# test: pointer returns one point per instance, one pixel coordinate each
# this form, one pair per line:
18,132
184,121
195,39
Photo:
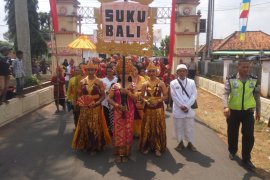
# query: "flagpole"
57,73
55,29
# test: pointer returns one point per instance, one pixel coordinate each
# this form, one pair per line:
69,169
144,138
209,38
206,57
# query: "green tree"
157,51
5,43
37,41
165,45
44,22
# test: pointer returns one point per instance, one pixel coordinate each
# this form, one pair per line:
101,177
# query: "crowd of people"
111,105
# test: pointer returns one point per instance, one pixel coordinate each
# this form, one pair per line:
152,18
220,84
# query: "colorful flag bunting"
243,29
244,14
244,18
245,7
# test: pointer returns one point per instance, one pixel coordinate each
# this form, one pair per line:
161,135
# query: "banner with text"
124,21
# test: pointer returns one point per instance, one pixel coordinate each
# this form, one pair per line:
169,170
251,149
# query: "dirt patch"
210,111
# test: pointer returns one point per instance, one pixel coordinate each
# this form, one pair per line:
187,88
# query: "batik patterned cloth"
153,132
123,124
91,131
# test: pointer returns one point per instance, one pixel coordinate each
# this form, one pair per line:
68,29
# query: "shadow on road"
100,163
197,157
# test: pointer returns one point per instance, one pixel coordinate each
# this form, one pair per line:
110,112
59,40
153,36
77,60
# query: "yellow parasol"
82,42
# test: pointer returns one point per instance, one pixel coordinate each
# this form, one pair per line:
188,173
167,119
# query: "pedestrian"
184,94
241,98
153,131
192,68
58,82
122,99
91,132
108,81
4,73
18,72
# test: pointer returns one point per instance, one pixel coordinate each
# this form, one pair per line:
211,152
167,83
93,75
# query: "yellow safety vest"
241,96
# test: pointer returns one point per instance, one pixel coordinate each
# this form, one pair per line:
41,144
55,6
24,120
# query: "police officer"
241,98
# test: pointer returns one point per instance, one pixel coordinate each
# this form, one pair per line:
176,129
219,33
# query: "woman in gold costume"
138,81
91,132
122,98
153,132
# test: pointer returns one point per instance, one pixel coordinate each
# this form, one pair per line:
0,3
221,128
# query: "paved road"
37,146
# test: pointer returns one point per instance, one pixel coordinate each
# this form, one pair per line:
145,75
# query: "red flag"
172,32
244,14
54,15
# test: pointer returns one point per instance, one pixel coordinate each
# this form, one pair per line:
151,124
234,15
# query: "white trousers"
184,129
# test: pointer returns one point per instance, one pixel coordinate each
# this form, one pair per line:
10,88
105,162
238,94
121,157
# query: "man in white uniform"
182,112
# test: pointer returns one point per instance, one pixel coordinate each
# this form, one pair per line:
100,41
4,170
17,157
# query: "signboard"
122,21
185,51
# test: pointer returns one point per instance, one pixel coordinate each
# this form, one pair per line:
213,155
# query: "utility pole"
23,33
210,26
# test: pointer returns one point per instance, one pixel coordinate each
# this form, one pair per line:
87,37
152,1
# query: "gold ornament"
135,48
128,66
144,2
151,66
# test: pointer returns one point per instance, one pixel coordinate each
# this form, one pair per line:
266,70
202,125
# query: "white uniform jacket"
180,98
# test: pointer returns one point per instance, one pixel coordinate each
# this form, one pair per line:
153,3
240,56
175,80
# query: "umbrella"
82,42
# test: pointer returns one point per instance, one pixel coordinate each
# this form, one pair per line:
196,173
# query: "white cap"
181,66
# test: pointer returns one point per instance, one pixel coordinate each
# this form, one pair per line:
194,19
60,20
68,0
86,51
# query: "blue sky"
226,16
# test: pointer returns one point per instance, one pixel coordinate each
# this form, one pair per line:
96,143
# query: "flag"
244,18
245,7
243,29
242,36
54,15
244,14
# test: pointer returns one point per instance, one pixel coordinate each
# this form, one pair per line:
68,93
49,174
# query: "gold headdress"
89,65
119,67
151,66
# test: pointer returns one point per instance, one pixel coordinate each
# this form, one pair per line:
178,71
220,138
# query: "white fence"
218,90
18,107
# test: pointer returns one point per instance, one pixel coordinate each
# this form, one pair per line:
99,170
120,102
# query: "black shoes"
232,156
191,147
180,146
248,164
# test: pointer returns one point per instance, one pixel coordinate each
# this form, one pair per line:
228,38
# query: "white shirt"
181,99
108,85
67,77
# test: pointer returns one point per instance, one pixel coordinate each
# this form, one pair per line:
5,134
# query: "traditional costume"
138,81
153,131
91,133
123,101
72,94
58,81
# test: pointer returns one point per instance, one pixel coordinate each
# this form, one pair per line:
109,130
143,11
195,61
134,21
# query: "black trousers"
247,119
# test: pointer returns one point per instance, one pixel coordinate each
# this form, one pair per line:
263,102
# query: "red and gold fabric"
91,131
123,125
153,130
